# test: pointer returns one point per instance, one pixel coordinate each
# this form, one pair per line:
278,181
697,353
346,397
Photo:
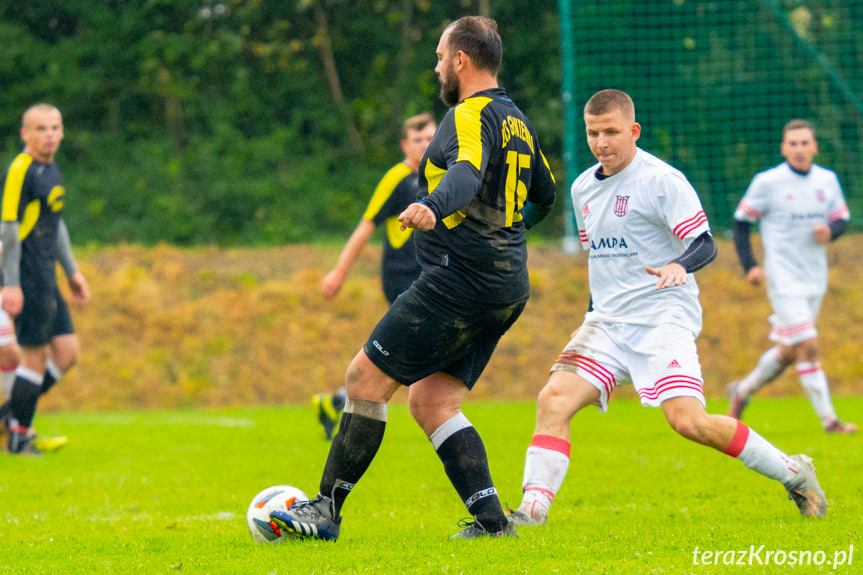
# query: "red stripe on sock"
741,434
17,428
546,492
552,443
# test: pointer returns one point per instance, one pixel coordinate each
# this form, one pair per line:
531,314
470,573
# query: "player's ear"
636,131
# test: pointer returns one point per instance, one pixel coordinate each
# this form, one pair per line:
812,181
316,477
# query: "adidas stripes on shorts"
793,318
661,362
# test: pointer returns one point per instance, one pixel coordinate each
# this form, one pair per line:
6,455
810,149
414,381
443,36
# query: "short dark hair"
606,101
416,123
477,37
798,124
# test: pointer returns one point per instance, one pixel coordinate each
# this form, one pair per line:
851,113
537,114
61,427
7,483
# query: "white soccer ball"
264,503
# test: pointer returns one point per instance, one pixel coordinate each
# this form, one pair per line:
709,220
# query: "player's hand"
332,284
417,216
822,234
13,300
79,288
669,275
756,276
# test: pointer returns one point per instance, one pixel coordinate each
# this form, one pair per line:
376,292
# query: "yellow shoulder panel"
385,188
13,187
468,127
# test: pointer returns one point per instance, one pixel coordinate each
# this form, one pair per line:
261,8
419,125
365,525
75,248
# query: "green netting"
714,82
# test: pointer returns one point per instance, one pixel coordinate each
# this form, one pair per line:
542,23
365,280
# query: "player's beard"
449,88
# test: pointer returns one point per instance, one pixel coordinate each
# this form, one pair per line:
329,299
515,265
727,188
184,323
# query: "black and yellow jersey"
483,164
395,192
33,195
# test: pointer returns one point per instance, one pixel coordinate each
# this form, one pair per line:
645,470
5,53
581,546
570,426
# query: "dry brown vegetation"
169,327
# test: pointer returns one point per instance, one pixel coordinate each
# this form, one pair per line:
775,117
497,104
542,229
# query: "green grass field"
167,491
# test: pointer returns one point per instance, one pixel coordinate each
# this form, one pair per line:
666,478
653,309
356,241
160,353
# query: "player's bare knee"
66,362
429,417
691,425
10,355
551,393
64,351
806,351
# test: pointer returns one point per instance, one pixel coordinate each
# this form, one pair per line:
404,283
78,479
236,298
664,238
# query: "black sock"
23,400
4,411
352,451
48,382
466,464
339,400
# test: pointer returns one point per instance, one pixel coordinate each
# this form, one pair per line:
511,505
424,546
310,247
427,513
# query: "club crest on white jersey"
620,205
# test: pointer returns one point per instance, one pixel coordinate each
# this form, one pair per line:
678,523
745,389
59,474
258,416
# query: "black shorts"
44,316
425,332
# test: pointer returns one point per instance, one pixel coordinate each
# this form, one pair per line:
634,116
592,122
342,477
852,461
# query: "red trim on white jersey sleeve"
749,211
684,228
840,213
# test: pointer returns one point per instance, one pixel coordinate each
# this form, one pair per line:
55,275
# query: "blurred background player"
35,239
801,209
399,266
640,218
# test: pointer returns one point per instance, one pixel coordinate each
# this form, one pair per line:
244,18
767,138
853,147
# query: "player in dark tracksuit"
483,181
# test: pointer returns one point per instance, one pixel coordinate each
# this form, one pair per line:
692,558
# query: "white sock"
768,368
760,455
814,381
7,378
545,465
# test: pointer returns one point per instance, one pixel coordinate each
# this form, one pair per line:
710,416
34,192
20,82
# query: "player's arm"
826,233
10,267
64,250
540,196
456,189
837,228
743,244
77,282
333,281
701,251
468,138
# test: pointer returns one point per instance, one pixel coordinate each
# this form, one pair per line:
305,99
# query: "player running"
640,220
801,209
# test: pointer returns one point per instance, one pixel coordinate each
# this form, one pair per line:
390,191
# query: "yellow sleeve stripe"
468,129
547,167
385,189
14,185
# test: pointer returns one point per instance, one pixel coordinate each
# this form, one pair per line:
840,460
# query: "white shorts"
661,362
7,330
793,319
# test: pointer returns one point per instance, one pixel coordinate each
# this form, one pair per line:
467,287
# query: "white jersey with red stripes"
645,215
789,205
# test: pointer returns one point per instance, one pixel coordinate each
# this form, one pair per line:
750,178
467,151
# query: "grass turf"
167,491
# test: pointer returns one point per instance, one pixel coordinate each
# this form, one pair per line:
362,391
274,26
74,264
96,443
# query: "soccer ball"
264,503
